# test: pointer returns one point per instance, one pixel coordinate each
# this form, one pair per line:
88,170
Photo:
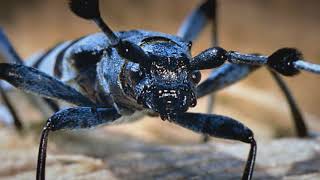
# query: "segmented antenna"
89,9
288,61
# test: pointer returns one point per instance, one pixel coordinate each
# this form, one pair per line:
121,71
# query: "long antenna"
89,9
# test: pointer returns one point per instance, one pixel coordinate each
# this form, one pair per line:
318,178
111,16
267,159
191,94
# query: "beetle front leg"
72,118
221,127
194,24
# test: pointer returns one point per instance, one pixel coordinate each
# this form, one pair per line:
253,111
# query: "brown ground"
246,26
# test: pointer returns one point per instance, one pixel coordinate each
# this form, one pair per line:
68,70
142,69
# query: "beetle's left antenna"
89,9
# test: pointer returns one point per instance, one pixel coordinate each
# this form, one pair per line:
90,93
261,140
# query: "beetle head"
167,85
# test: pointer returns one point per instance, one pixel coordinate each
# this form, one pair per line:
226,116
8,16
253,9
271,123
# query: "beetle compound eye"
196,77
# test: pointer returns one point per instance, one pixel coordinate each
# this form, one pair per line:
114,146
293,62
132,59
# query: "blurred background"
249,26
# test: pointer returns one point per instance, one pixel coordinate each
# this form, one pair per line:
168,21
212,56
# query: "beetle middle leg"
190,30
195,22
221,127
72,118
11,56
229,74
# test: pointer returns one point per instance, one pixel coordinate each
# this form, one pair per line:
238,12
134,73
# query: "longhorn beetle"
115,76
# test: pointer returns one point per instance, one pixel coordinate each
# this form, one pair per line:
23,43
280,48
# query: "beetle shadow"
172,162
129,158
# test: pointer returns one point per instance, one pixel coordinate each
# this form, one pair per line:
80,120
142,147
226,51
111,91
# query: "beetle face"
168,86
169,101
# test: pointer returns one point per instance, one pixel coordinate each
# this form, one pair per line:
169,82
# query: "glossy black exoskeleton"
116,77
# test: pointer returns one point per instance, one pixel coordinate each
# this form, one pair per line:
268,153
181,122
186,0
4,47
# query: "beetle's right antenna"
89,9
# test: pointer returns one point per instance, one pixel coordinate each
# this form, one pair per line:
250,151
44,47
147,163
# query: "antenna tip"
87,9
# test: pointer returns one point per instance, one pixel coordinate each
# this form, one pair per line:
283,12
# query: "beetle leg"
16,120
72,118
222,77
286,61
11,56
221,127
193,25
299,122
191,29
7,50
34,81
229,74
195,22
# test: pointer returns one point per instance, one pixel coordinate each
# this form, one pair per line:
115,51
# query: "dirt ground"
246,26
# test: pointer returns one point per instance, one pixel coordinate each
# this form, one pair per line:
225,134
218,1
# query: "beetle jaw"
167,102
